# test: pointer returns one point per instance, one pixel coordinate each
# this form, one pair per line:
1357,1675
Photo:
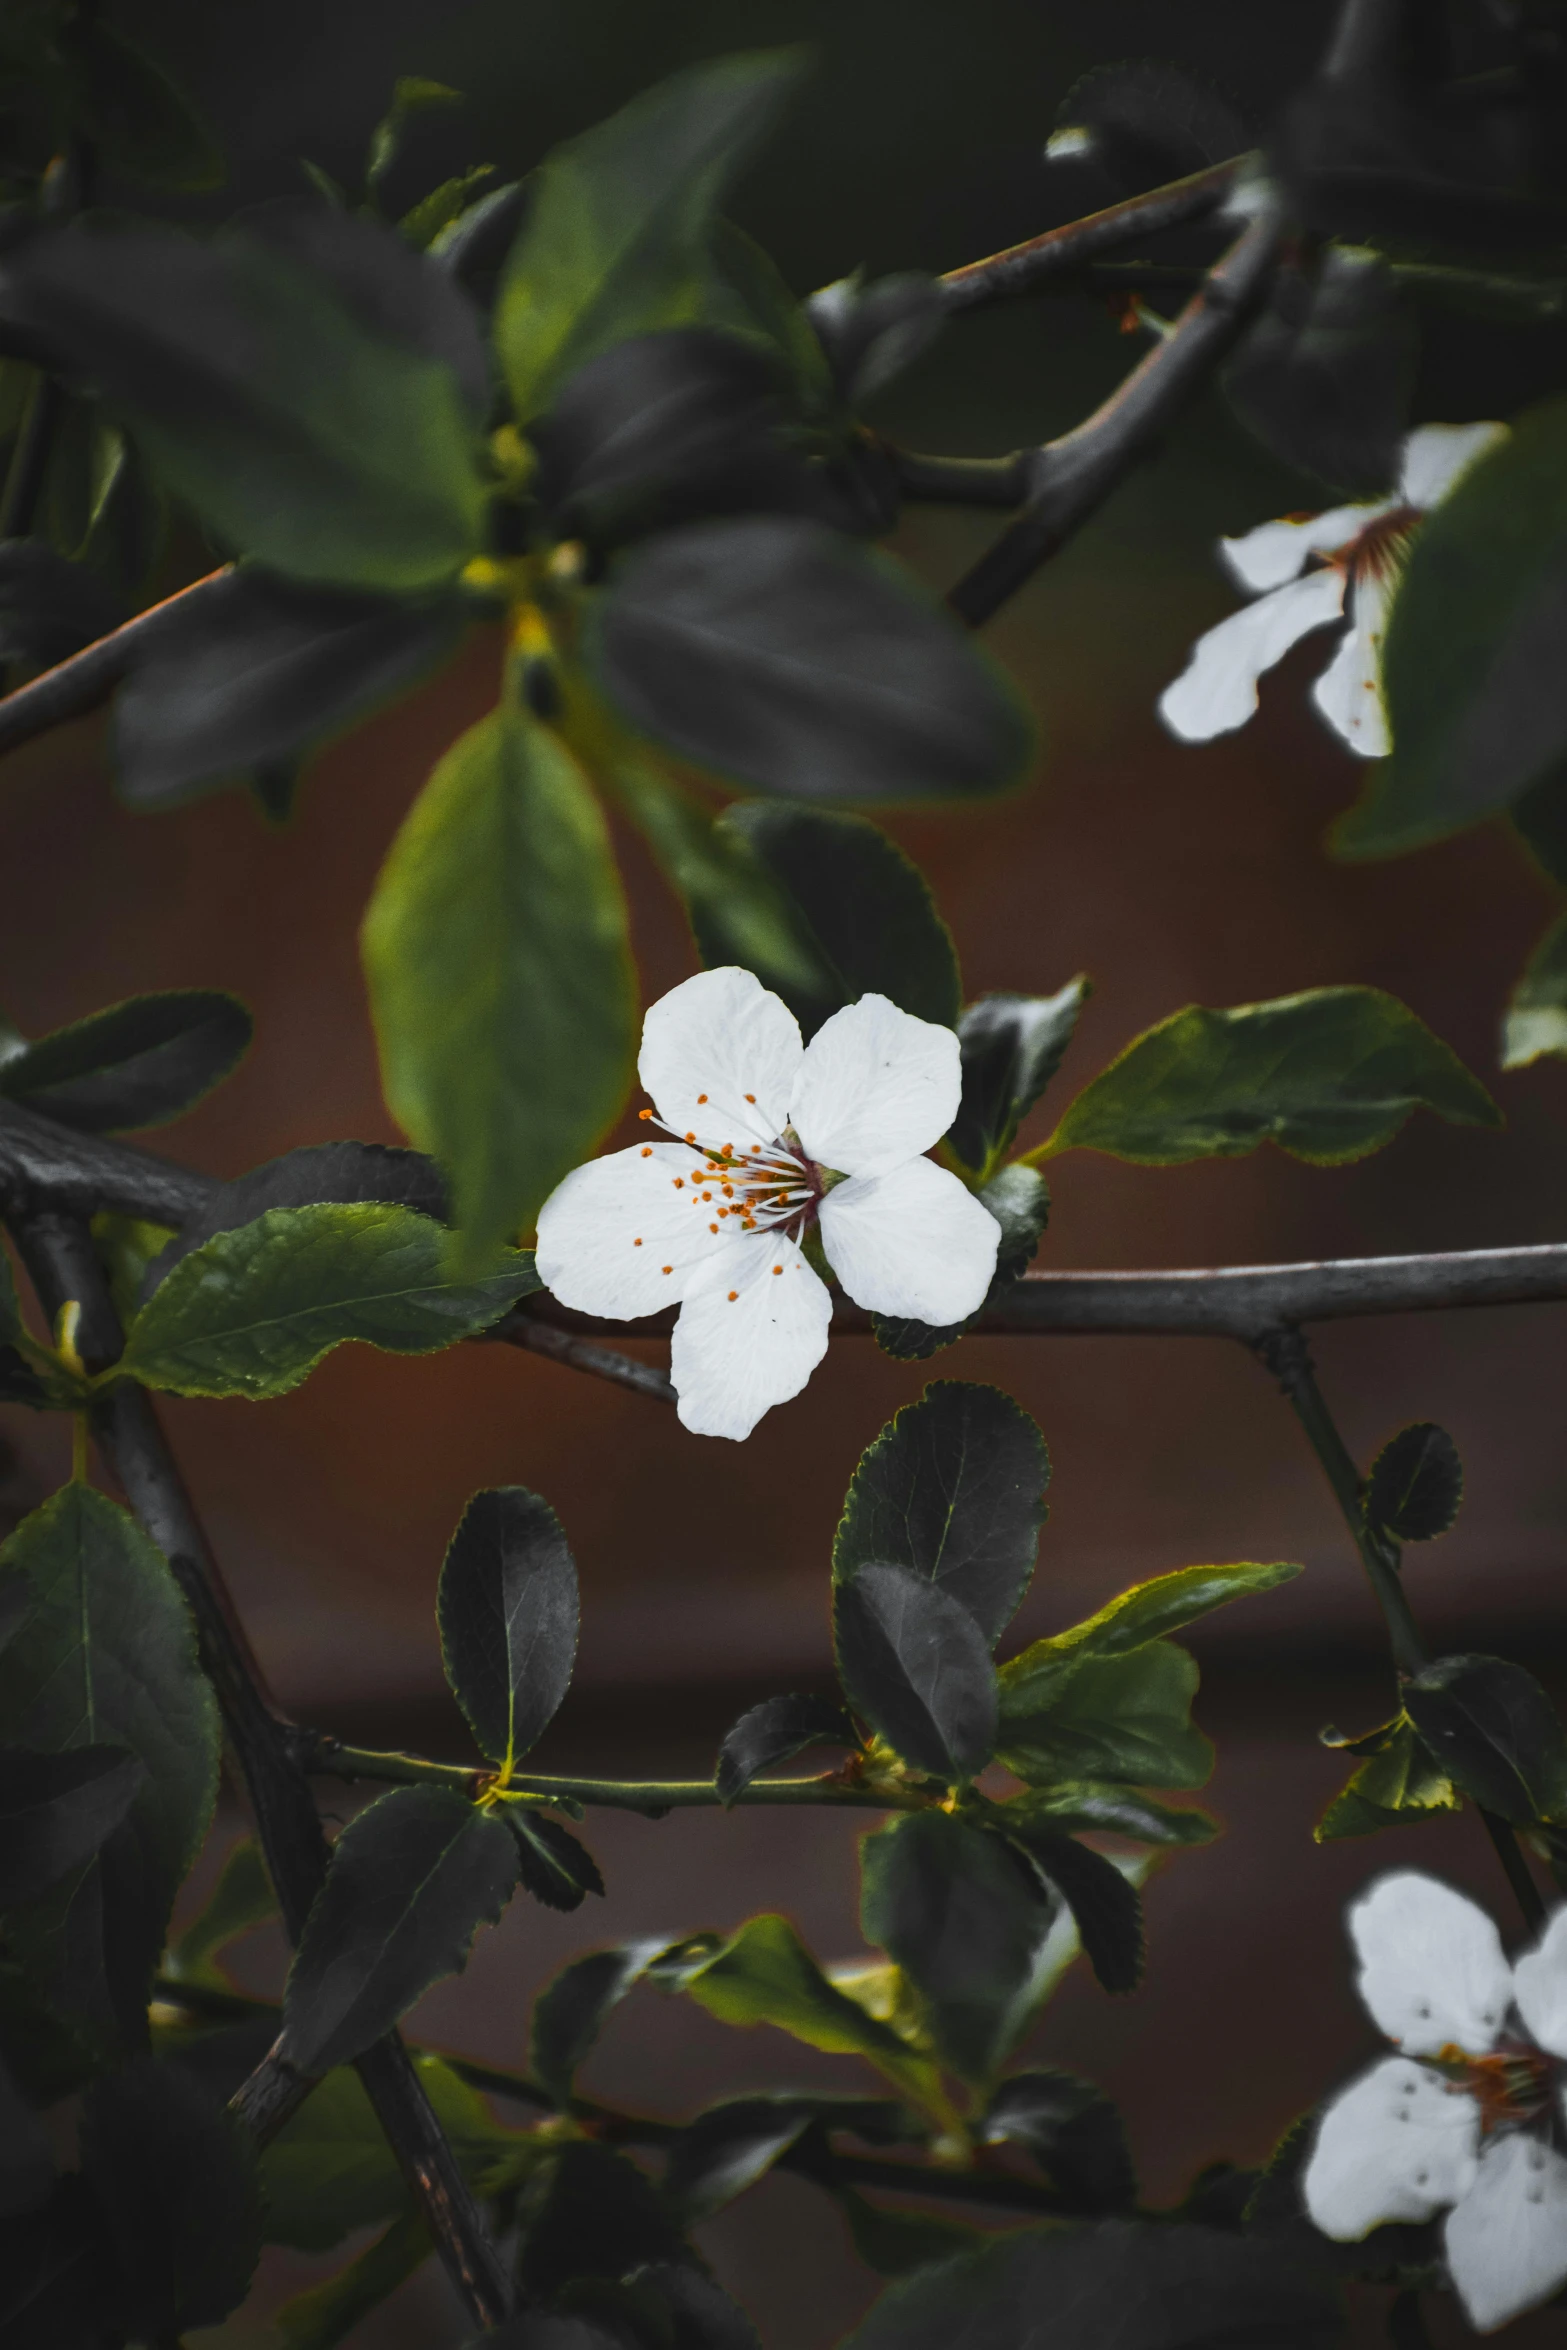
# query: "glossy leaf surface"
507,1609
571,2011
1113,1717
772,1733
136,1064
1012,1046
1495,1732
56,1810
1416,1484
916,1665
330,2169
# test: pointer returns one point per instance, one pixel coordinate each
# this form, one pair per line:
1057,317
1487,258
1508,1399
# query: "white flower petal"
914,1241
734,1356
1540,1987
1276,551
1396,2144
1431,1965
1507,2240
626,1234
876,1087
1437,457
1217,690
1349,691
719,1056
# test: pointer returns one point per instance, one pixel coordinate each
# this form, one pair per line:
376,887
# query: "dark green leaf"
1117,2284
252,1312
1150,1611
1100,1807
1073,2132
770,1733
55,1812
241,1899
701,2313
323,2314
748,295
1019,1199
1104,1902
330,446
500,973
315,1174
1145,121
1536,1019
1416,1484
138,120
411,1880
58,2289
966,1919
445,205
507,1609
779,655
953,1489
1110,1717
621,220
107,1655
1476,694
26,2163
50,607
764,1975
257,669
1540,821
896,2243
731,2146
1324,376
412,96
330,2169
916,1666
552,1865
547,2329
1012,1047
571,2011
590,2213
861,910
1495,1732
16,1592
176,2179
1328,1076
136,1064
1401,1783
872,333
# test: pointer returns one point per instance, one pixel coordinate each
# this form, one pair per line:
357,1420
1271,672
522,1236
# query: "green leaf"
411,1880
1495,1732
1149,1611
1019,1199
27,2168
571,2011
500,973
1476,692
862,909
730,2146
1072,2131
916,1666
552,1865
618,234
748,295
774,1731
423,222
953,1489
764,1975
777,653
1012,1046
872,333
241,1899
1101,1807
1416,1484
330,2169
1111,1717
897,2243
1102,1898
1536,1018
320,435
319,2317
135,116
507,1609
175,2178
590,2212
1329,1076
106,1654
1117,2284
1401,1783
56,1810
1323,377
412,96
251,1312
967,1920
136,1064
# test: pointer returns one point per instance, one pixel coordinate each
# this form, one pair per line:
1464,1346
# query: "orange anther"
690,1138
644,1113
750,1097
733,1294
778,1268
701,1097
647,1150
680,1183
712,1228
636,1244
669,1268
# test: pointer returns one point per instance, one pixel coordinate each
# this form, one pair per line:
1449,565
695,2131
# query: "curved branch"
83,683
1021,268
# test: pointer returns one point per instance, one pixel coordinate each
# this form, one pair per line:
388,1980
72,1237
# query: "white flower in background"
1312,569
776,1136
1469,2130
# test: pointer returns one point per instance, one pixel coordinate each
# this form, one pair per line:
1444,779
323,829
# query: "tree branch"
83,683
581,1354
1021,268
329,1757
1075,474
62,1263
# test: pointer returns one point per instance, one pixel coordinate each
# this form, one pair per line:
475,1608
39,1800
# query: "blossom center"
769,1187
1510,2088
1378,550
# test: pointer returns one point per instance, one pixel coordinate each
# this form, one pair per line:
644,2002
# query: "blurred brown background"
1170,874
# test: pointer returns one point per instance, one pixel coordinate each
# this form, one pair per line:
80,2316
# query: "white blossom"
773,1137
1467,2130
1308,571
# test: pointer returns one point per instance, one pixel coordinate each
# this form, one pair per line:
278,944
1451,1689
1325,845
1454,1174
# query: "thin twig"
1021,268
1073,476
83,683
582,1354
330,1757
63,1265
